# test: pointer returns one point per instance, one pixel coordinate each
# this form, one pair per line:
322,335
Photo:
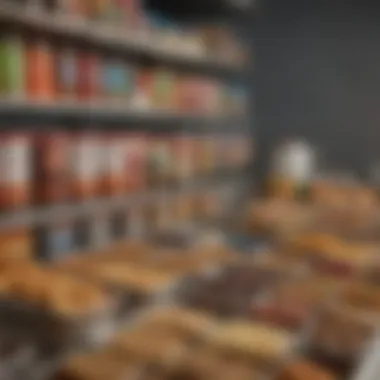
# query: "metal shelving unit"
138,47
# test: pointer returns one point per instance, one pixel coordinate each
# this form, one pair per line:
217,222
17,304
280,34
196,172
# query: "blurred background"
189,190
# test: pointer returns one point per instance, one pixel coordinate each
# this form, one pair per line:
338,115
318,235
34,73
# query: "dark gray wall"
317,74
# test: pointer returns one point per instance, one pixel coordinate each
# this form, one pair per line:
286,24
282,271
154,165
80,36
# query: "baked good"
315,243
184,322
362,297
98,366
52,291
302,370
128,275
292,303
256,340
341,333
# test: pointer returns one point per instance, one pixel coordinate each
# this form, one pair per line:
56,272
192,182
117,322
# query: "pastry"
256,340
181,321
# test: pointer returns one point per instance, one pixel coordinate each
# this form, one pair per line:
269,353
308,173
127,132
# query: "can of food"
12,69
40,71
16,170
102,155
59,240
117,161
84,165
67,74
52,168
136,161
87,83
159,160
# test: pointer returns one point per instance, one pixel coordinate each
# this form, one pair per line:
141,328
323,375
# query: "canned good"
52,168
15,167
67,74
39,71
12,70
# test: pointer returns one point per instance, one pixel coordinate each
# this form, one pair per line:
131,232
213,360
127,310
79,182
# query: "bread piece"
151,347
98,366
256,340
143,279
303,370
181,321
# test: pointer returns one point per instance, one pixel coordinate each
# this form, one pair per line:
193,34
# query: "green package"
12,69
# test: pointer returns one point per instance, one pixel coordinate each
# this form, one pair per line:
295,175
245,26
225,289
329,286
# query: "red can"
102,156
52,168
87,85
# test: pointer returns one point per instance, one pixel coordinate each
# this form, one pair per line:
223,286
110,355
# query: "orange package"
40,80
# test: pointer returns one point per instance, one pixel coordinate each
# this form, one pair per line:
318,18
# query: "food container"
100,231
160,161
40,79
183,157
135,162
16,170
67,74
59,240
12,68
52,168
143,89
87,84
102,155
84,165
114,81
76,9
163,93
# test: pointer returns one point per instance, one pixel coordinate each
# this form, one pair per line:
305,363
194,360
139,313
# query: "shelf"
26,114
141,44
45,214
